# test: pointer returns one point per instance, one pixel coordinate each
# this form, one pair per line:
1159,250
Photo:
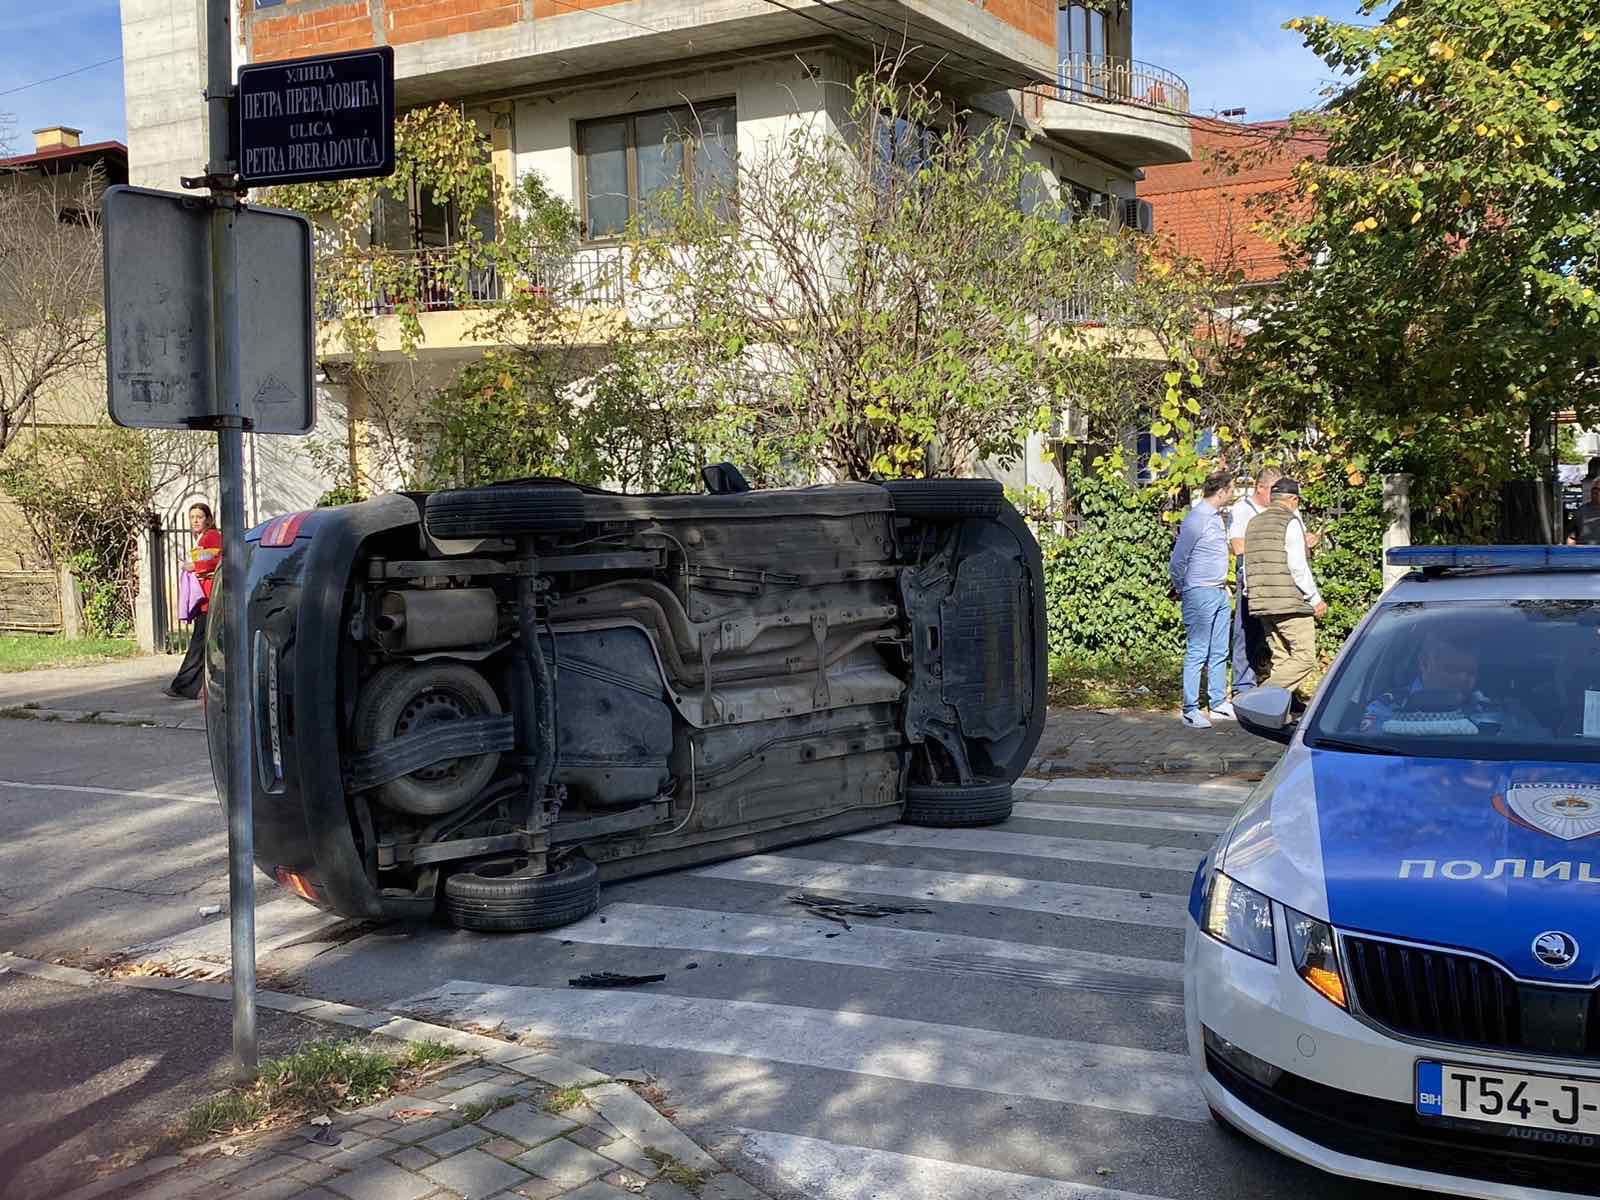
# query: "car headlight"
1316,957
1240,917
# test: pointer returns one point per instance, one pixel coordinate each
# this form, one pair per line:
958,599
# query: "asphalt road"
1022,1038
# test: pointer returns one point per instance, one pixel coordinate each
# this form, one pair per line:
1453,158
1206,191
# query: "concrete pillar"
71,605
144,609
1397,507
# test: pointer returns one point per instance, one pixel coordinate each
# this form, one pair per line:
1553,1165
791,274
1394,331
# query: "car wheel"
500,897
509,510
946,499
1227,1126
957,807
404,699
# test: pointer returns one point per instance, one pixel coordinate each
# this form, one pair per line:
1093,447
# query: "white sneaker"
1224,712
1196,720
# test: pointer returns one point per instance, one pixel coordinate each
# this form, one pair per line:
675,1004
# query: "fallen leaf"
410,1114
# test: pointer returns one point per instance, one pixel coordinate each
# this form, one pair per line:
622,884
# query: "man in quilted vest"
1283,594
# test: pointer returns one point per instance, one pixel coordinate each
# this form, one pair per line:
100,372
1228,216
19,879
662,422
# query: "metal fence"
1122,81
170,546
433,281
30,602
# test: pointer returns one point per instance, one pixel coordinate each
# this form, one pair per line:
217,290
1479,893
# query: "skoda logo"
1556,950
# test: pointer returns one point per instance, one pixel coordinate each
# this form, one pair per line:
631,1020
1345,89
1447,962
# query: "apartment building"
580,90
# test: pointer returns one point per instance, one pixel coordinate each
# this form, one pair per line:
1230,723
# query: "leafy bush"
1348,565
1106,585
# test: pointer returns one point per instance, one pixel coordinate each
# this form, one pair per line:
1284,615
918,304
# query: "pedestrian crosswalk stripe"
1034,845
1121,1078
1136,818
123,793
1158,789
801,939
954,887
827,1170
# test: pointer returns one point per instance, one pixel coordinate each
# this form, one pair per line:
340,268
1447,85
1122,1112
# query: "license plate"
1508,1097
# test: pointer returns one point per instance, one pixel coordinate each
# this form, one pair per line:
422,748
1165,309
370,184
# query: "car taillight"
282,531
297,883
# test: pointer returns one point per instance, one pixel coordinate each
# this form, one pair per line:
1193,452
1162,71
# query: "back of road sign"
159,345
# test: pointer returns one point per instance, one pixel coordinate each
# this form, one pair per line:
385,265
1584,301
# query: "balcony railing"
1094,77
433,281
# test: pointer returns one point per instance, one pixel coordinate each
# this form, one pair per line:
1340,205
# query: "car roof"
1494,585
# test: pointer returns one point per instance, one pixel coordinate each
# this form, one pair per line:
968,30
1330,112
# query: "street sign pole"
230,472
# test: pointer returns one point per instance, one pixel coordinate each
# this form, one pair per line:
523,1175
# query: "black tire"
946,499
1226,1126
957,807
507,510
496,897
405,698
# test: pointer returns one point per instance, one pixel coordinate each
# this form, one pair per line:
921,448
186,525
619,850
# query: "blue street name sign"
310,120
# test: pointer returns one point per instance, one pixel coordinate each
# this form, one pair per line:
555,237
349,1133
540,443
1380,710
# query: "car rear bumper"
1345,1102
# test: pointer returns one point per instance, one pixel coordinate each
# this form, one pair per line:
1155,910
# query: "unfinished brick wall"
1036,18
309,27
418,20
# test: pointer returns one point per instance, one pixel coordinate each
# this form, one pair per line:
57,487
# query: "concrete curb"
79,716
632,1116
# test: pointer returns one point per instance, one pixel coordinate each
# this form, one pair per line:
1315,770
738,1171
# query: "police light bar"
1504,558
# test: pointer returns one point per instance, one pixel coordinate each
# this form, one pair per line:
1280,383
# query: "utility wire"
64,75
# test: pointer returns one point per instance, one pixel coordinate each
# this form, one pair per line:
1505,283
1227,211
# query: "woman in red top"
203,562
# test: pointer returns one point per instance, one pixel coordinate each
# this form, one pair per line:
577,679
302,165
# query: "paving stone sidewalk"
506,1122
506,1131
1080,741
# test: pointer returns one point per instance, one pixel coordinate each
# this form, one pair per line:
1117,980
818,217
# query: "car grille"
1448,997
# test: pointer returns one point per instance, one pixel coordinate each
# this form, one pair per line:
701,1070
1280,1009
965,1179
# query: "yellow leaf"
1416,216
1311,188
1553,105
1482,130
1192,405
1402,22
1588,35
1418,80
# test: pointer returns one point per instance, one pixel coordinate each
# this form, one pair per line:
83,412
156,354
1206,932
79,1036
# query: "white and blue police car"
1393,952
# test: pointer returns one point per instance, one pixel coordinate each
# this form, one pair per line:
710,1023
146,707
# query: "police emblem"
1570,812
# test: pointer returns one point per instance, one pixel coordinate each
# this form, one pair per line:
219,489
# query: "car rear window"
1507,679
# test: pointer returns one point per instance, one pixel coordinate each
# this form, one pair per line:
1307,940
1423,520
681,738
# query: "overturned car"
487,700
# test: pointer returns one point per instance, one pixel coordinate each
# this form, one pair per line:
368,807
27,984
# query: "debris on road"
607,979
837,908
210,910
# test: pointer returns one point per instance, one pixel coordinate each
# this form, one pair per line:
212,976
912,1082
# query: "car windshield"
1504,679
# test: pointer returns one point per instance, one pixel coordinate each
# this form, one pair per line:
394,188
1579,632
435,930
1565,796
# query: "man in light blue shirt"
1199,571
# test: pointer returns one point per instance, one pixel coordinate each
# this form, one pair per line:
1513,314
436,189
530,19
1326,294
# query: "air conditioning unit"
1069,426
1140,215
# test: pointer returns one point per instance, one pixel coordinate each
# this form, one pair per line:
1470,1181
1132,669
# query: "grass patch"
316,1077
419,1056
1136,681
480,1109
32,652
674,1171
566,1098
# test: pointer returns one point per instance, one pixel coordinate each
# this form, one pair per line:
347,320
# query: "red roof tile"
1210,211
56,153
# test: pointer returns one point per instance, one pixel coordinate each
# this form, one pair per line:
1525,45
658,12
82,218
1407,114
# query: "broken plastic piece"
210,910
604,979
837,908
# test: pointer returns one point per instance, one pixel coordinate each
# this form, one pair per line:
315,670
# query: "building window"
627,163
1081,42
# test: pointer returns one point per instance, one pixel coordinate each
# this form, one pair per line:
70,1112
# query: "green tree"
1441,306
877,298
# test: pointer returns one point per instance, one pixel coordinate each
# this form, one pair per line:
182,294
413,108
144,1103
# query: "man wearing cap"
1199,572
1283,594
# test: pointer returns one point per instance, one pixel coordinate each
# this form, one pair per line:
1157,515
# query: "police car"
1393,953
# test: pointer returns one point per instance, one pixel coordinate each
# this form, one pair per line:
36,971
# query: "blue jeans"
1206,617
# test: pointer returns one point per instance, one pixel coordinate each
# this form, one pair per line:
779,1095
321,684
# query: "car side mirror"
1264,711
